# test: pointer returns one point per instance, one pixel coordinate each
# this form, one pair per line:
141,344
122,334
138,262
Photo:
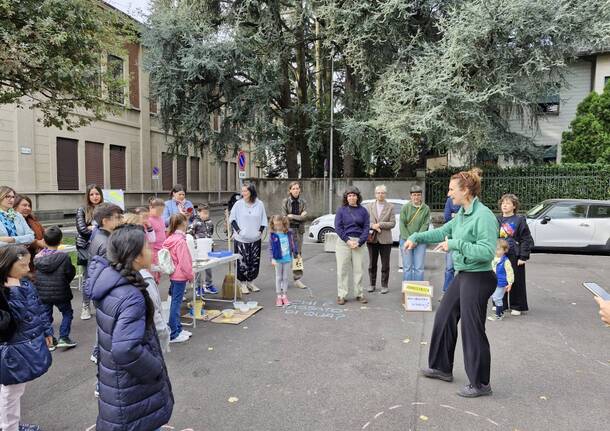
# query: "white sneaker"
244,288
93,359
85,313
181,338
493,308
253,287
188,333
515,313
494,317
299,284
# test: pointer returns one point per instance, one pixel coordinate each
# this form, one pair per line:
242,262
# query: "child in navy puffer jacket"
24,340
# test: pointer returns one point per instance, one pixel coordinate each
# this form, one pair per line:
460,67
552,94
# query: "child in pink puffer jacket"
183,273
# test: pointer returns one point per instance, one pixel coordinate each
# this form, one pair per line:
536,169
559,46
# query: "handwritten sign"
416,289
116,197
305,308
418,303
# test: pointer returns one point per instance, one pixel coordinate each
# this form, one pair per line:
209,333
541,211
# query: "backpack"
165,264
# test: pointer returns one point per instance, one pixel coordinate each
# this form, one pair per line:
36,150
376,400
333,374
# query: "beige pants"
10,406
349,261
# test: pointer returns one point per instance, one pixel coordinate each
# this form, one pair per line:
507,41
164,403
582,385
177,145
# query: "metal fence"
531,184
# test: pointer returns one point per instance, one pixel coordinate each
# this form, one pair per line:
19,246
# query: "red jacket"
181,257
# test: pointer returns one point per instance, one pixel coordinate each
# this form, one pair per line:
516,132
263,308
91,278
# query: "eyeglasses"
9,197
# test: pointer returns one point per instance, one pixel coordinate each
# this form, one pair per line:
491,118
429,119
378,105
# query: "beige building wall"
28,151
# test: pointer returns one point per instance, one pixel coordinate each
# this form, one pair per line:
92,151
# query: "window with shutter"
223,175
67,164
167,171
117,167
194,173
181,171
115,69
94,163
233,176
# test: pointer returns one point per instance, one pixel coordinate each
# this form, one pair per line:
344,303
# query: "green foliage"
588,140
50,54
532,184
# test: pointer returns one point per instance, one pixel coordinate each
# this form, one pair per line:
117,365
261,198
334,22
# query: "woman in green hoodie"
471,235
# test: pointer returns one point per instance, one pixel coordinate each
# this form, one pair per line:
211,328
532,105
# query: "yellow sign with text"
416,289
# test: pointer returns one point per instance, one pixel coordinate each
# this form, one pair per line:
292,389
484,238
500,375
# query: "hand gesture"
409,245
509,287
520,262
49,340
443,246
604,309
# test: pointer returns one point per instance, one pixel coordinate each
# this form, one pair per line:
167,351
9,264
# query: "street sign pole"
241,163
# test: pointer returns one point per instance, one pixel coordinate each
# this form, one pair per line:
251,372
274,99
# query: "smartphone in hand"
597,290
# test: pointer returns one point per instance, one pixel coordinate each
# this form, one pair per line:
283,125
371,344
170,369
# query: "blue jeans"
67,314
498,295
177,289
413,262
449,271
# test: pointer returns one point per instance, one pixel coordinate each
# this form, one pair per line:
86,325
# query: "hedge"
532,184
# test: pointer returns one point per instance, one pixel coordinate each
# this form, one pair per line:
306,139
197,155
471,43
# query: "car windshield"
538,209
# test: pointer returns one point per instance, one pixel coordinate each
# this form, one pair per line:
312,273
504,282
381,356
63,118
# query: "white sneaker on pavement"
181,338
299,284
253,287
515,313
188,333
85,313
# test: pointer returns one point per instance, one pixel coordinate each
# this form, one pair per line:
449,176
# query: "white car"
325,224
571,224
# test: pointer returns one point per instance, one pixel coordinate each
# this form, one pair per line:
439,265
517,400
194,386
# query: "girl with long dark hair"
134,387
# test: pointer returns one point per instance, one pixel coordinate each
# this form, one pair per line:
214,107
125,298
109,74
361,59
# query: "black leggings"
466,299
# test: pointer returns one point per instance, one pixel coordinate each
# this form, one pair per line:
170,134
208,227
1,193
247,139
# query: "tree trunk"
351,87
301,76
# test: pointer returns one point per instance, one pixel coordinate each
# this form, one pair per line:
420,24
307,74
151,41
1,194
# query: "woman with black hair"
352,224
84,228
177,204
134,388
23,205
248,219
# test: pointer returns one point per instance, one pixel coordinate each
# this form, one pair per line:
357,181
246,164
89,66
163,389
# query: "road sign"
242,174
241,161
155,170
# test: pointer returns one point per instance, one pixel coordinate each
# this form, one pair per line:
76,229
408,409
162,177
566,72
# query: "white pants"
10,406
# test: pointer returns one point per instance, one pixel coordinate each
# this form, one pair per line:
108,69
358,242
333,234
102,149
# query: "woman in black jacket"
84,226
514,229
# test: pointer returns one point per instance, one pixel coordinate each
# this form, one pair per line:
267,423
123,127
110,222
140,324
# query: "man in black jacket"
54,273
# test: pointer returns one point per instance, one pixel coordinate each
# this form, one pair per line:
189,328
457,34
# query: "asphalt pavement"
319,366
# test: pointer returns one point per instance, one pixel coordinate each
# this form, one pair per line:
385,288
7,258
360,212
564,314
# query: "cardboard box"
417,295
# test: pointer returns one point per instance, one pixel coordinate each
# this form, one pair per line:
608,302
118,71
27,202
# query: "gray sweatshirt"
163,331
249,219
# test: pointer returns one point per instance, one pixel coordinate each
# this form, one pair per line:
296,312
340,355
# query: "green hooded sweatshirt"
472,233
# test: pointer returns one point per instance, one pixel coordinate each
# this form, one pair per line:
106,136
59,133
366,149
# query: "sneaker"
243,286
181,338
85,313
188,333
299,284
210,289
28,427
371,289
515,313
285,299
431,373
96,391
470,391
199,292
384,290
278,301
53,345
340,300
66,343
440,298
493,308
495,317
93,359
362,300
253,287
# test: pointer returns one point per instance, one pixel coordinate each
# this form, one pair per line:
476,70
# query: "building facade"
54,166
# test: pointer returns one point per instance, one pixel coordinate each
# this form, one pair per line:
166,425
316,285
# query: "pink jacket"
158,226
181,257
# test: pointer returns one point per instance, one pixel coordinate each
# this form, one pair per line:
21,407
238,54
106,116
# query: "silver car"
571,224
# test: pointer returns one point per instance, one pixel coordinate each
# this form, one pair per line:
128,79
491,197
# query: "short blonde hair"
381,188
503,244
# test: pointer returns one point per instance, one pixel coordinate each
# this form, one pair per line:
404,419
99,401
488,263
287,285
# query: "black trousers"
248,266
376,250
518,293
466,299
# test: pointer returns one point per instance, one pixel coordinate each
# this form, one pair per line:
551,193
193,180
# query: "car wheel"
323,233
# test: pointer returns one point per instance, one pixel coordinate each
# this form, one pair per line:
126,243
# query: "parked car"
325,224
571,225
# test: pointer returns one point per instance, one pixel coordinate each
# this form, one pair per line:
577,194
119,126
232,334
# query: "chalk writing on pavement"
325,310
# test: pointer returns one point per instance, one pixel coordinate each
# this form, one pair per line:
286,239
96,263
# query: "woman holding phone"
177,204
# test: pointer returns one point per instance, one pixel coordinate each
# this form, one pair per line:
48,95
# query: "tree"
50,54
494,60
588,140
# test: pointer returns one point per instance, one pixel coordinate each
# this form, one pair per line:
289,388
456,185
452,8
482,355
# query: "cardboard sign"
416,289
418,303
116,197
